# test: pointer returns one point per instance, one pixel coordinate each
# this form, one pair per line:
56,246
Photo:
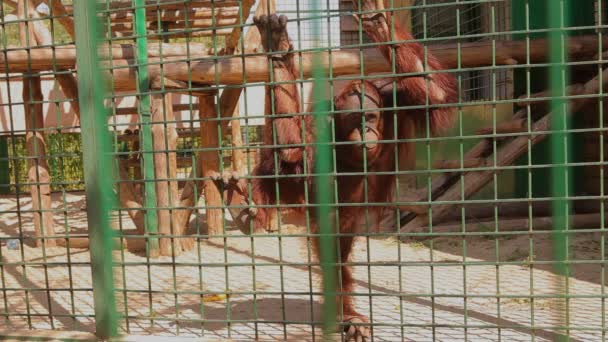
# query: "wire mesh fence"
380,170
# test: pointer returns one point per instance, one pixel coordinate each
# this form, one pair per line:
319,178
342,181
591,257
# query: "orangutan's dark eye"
371,117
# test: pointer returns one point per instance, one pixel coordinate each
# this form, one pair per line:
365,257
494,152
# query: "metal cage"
118,116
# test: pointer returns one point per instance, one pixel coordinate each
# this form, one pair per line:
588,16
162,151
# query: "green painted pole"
560,173
324,188
143,88
98,170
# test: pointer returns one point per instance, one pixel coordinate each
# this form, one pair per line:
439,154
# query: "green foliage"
9,31
64,156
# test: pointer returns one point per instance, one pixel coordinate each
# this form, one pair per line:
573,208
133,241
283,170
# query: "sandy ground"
411,291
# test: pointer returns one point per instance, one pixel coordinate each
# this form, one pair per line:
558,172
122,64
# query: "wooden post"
210,162
38,169
164,142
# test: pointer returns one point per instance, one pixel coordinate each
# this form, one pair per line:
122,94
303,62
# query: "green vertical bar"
5,178
559,143
143,87
98,168
323,170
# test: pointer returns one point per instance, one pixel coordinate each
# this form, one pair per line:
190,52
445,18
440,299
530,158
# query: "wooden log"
41,58
132,243
513,126
230,70
180,107
38,169
471,182
164,145
170,4
541,99
208,23
512,52
177,15
166,5
210,162
520,224
194,186
457,164
183,32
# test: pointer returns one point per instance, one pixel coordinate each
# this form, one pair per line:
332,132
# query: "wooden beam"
513,126
457,164
177,15
230,70
180,32
171,4
181,25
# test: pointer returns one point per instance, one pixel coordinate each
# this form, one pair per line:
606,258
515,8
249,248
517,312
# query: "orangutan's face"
362,123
